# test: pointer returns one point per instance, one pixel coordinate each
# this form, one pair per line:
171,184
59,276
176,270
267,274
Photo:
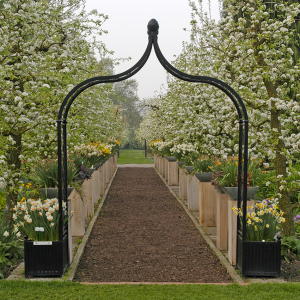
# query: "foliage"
31,213
124,94
83,173
8,253
11,247
267,185
297,225
79,160
290,248
2,203
190,158
255,172
131,140
165,150
46,173
203,165
264,222
227,173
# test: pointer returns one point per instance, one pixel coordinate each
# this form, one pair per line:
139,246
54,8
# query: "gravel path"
144,235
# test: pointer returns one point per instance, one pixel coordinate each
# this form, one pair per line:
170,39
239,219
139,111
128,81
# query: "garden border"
70,273
69,276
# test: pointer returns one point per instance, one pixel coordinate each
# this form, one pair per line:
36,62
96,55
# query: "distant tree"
125,95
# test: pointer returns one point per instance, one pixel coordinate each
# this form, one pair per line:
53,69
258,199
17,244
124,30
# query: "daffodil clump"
93,153
263,221
162,147
105,148
155,143
30,213
93,149
180,151
114,145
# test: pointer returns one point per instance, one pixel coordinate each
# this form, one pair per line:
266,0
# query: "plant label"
39,229
42,243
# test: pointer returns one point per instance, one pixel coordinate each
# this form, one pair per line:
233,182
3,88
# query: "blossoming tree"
250,48
46,48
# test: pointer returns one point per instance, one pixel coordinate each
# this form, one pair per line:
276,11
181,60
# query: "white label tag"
42,243
39,229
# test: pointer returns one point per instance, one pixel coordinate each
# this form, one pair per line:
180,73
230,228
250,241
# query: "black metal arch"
153,27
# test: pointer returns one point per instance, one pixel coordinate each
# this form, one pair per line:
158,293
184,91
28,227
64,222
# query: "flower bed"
30,214
264,224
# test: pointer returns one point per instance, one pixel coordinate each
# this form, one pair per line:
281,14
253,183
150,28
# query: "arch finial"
153,27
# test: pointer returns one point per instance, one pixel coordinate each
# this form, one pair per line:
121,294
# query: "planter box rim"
180,163
231,191
55,191
189,169
170,158
204,176
91,170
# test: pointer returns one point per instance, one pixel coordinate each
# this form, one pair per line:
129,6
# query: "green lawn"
66,290
133,157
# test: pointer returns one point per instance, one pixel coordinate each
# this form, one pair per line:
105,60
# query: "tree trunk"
279,146
14,165
280,169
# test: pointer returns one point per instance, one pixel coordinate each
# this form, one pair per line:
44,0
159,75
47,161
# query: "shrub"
290,248
11,248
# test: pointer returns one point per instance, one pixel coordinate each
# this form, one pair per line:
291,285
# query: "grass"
133,157
71,290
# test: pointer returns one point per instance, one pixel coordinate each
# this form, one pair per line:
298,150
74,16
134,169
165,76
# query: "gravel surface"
144,235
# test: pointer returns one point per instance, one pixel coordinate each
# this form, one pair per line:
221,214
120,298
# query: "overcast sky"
127,34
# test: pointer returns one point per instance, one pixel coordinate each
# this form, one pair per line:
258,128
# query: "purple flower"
277,236
297,219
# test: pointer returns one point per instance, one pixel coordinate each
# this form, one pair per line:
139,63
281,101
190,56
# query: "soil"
8,270
290,270
144,235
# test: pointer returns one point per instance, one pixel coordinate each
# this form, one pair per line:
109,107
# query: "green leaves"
11,248
290,248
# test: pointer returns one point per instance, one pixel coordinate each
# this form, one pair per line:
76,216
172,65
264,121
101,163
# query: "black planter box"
46,260
260,259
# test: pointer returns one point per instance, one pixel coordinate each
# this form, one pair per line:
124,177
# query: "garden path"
144,235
